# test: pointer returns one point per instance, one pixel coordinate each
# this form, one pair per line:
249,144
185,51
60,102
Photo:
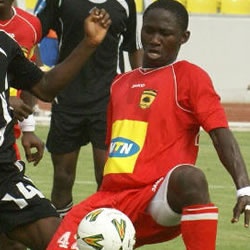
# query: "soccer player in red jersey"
154,118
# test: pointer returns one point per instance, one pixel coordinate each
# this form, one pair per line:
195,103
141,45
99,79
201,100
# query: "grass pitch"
229,237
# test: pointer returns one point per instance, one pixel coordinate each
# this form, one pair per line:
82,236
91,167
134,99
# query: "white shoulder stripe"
124,4
176,92
3,52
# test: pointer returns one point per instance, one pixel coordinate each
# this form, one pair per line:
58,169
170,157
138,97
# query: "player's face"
161,37
5,4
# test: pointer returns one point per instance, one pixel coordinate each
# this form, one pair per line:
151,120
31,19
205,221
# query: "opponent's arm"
95,29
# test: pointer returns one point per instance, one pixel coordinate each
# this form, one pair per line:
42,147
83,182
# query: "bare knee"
64,168
187,186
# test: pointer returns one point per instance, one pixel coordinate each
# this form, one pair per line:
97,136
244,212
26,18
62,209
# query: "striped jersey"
15,71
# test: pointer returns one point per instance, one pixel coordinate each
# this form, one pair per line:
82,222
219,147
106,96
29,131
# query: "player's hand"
20,109
96,26
30,142
242,206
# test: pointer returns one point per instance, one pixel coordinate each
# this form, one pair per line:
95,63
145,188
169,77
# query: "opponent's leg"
63,180
8,244
36,235
97,134
99,157
26,215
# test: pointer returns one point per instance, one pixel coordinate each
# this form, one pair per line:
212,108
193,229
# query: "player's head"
164,30
5,5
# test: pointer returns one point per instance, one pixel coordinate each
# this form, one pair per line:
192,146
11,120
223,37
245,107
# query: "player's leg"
99,157
188,195
187,186
64,141
63,180
7,244
36,235
26,215
183,200
97,133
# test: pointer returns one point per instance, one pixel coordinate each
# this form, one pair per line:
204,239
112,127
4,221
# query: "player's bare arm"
232,159
20,109
96,26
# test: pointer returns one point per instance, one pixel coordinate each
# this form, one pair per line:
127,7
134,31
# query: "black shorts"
20,201
68,132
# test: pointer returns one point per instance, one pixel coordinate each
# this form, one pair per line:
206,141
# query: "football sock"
199,227
63,211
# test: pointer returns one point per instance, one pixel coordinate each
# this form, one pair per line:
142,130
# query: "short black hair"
174,7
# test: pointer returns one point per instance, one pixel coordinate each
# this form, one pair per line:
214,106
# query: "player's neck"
6,13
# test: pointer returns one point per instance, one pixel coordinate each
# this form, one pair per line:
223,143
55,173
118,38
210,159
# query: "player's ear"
185,36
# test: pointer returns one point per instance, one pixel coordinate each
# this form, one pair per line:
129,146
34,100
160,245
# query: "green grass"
229,237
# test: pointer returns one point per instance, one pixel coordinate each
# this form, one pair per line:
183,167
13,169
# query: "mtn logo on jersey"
122,147
127,141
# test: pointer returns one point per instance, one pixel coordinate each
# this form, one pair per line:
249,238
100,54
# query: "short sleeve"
196,93
22,73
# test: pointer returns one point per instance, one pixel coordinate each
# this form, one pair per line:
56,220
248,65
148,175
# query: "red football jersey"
154,119
25,28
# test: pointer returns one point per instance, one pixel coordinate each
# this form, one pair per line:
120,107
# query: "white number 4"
63,241
28,192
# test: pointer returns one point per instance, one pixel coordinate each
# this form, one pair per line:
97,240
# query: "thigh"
37,234
8,244
159,207
20,200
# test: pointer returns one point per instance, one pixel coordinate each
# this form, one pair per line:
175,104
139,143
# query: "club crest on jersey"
122,147
147,98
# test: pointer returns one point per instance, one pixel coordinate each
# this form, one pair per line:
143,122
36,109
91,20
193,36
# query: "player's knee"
64,178
189,185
